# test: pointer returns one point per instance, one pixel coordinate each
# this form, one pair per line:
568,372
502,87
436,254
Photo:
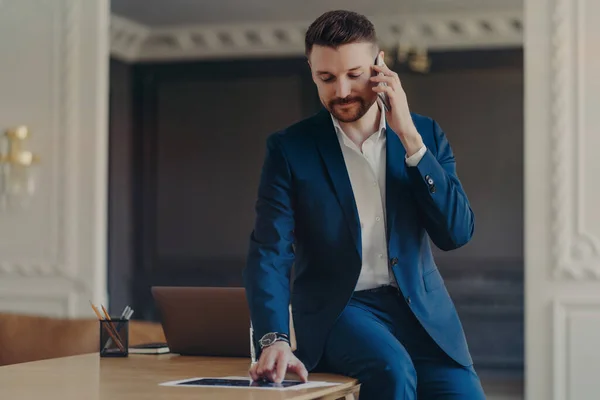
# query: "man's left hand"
398,117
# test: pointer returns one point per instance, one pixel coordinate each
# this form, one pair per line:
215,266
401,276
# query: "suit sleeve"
441,199
270,256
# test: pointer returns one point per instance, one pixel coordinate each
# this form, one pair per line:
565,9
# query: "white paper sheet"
241,382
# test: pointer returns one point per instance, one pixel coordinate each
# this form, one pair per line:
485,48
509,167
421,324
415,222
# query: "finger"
384,89
282,364
387,74
391,81
270,362
386,71
270,374
265,365
252,372
296,366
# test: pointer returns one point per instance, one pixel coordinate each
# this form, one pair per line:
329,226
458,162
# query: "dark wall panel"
211,143
120,201
481,112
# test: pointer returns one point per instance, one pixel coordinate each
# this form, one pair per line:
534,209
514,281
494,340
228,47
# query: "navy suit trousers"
379,341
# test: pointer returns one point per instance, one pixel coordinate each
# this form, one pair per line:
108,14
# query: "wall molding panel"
56,86
576,249
575,320
58,305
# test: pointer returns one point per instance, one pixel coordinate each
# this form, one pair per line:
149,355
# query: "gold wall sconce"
416,58
419,61
17,178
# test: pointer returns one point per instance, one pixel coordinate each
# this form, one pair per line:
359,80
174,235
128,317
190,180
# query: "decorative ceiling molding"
126,38
133,42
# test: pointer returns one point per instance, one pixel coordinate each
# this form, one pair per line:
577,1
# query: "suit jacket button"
408,300
394,261
432,189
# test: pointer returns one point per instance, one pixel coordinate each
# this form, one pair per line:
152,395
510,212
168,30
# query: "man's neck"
361,130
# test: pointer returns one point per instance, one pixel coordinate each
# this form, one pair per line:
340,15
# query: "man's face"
342,79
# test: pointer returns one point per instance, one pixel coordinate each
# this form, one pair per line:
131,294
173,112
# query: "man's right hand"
275,361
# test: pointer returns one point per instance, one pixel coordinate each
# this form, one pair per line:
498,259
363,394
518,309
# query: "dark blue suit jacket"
307,218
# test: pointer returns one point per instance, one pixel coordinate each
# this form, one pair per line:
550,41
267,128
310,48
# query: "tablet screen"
238,383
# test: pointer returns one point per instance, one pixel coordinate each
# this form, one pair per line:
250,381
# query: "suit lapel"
395,168
331,153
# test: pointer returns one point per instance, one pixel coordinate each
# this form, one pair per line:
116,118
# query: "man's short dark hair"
339,27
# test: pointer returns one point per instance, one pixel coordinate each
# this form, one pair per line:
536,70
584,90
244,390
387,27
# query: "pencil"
117,341
112,327
96,311
126,314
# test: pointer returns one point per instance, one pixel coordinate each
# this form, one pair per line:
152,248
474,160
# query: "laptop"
204,321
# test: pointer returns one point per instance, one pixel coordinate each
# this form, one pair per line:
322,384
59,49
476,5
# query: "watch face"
268,339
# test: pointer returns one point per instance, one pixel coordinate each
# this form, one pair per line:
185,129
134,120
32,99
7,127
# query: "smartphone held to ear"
383,96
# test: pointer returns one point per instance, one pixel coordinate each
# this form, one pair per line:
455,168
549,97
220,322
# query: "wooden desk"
138,376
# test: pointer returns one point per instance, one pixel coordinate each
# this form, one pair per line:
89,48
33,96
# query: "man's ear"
310,69
376,50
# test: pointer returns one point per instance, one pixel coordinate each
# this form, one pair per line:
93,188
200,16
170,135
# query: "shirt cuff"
413,160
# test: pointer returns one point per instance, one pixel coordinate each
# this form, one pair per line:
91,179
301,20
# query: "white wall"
54,80
562,194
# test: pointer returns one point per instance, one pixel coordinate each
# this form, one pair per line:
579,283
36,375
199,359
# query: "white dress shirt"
366,170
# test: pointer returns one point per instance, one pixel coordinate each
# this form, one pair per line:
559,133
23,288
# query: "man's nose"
342,88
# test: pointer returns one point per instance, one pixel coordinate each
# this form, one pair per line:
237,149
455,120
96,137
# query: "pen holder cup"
114,338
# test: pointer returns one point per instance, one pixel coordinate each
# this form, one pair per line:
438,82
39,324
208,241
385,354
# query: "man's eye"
329,79
355,76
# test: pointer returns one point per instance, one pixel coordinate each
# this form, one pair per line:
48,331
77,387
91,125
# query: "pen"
126,315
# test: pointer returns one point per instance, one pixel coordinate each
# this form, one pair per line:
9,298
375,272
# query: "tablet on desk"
233,382
239,382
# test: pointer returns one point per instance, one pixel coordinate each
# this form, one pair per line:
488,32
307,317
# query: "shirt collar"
382,123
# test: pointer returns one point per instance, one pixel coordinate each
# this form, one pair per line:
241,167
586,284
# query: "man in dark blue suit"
351,197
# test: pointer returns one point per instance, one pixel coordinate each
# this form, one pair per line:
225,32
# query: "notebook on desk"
149,348
204,321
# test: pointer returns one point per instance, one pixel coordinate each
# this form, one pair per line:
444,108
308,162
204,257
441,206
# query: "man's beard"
350,114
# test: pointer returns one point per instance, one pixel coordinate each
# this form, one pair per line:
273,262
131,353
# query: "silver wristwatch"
272,337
